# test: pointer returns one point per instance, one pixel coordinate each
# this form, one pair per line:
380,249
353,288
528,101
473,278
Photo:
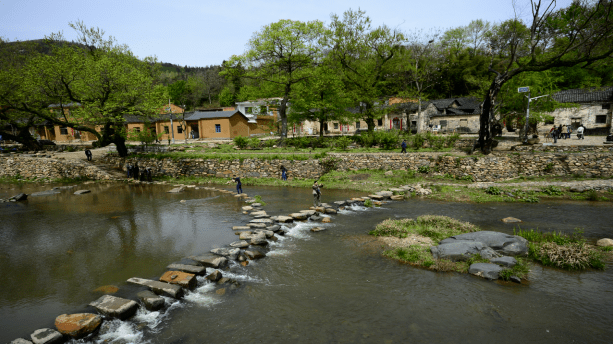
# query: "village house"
593,110
459,115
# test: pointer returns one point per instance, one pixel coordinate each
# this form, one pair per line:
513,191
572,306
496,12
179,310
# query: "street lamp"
522,90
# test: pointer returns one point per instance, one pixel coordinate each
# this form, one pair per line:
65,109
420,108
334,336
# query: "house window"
601,119
137,129
380,122
336,125
64,131
179,129
166,130
217,128
357,125
606,106
443,123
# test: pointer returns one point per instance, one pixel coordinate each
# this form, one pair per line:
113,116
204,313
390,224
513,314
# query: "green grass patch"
435,227
258,199
520,270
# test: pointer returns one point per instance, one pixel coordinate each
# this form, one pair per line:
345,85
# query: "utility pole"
527,89
172,132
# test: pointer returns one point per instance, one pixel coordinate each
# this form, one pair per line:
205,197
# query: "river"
332,286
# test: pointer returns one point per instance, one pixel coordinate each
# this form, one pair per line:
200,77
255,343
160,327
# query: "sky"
202,32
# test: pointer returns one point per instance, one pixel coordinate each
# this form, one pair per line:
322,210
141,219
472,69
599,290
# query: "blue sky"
202,33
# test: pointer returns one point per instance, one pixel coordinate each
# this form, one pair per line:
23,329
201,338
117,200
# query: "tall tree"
364,56
102,79
577,34
421,62
282,53
322,98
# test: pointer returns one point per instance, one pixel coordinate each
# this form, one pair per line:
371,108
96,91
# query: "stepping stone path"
115,307
160,288
46,336
198,270
185,280
151,301
77,325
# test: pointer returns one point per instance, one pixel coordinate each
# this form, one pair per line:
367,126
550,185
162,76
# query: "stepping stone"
230,253
284,219
397,197
258,240
326,220
340,203
273,228
245,235
397,190
151,301
198,270
240,228
258,213
376,197
299,216
511,220
209,260
308,212
185,280
115,307
82,191
317,229
262,221
256,225
316,218
247,208
254,254
176,190
256,204
170,290
21,341
77,325
385,194
330,211
46,336
215,276
320,209
239,244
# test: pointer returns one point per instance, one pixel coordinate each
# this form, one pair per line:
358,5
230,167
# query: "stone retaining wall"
494,167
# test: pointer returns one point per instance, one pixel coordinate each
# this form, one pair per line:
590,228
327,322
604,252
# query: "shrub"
435,227
343,142
329,164
241,142
548,167
552,190
592,195
424,169
493,190
417,141
387,140
368,203
253,142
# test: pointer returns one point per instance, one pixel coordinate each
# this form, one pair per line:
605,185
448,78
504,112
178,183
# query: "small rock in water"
326,220
604,242
511,220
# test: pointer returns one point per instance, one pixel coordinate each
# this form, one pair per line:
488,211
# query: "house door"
575,122
194,132
396,123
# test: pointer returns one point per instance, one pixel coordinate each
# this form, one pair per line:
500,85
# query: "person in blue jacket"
239,185
404,146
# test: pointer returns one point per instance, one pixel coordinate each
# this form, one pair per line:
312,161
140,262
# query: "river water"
326,287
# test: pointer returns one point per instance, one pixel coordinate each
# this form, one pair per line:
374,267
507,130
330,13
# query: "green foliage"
549,167
343,143
493,190
435,227
592,195
424,169
520,270
329,164
241,141
226,97
368,203
145,136
258,199
552,190
253,142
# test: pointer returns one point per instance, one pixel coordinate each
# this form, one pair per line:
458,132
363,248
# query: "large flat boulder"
462,251
115,307
160,288
198,270
46,336
184,280
77,325
505,261
504,244
258,239
210,260
489,271
151,301
230,253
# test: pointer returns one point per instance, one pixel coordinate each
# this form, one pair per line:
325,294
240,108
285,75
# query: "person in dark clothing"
149,175
317,193
88,154
239,185
129,169
135,171
404,146
283,173
560,132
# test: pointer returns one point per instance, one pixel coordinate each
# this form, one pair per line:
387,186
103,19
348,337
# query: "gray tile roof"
197,115
585,95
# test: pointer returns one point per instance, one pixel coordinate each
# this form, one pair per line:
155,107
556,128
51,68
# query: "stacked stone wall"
31,168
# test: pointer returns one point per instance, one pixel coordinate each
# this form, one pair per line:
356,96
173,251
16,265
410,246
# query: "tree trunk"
23,137
420,118
369,118
109,135
485,142
283,112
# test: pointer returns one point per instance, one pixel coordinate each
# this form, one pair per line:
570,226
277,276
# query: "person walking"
317,193
560,132
404,146
88,154
283,173
564,131
239,185
580,132
568,131
554,134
